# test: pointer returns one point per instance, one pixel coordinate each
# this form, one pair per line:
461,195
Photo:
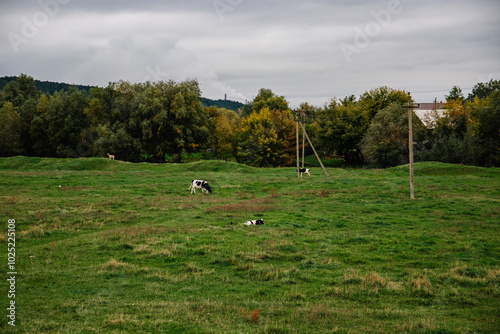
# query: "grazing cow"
254,222
304,170
200,184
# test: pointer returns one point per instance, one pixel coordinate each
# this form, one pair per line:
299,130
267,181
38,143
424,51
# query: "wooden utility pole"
316,154
297,135
410,143
303,142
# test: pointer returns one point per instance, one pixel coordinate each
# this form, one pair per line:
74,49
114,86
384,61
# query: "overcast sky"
307,51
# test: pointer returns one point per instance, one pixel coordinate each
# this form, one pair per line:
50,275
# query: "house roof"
430,106
429,113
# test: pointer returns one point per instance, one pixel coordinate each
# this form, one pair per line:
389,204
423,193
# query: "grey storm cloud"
307,51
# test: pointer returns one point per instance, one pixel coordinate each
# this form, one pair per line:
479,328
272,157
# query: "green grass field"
113,247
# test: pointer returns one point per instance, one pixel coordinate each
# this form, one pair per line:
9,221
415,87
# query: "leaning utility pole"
410,143
316,154
303,149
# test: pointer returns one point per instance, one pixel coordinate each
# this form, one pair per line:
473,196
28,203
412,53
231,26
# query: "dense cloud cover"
307,51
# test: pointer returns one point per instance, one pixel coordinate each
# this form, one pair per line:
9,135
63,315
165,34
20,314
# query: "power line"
437,91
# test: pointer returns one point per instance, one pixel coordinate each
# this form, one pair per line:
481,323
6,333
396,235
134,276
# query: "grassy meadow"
113,247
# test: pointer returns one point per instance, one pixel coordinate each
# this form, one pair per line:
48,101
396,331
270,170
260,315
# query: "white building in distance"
429,113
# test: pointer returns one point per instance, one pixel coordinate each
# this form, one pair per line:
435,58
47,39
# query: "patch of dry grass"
114,265
251,205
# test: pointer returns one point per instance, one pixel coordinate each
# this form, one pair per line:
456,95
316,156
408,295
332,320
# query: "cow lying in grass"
304,170
200,184
254,222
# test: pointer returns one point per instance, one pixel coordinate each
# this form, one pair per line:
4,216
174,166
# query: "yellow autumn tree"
456,118
266,138
222,124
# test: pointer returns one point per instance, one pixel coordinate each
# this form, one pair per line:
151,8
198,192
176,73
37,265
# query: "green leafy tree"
20,90
38,129
482,90
343,124
109,114
489,130
341,129
307,113
154,120
23,95
10,130
348,100
386,140
265,98
101,105
467,131
455,94
116,141
374,100
456,136
27,111
65,122
173,118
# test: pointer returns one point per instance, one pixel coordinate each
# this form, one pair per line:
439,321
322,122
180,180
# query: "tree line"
167,122
50,87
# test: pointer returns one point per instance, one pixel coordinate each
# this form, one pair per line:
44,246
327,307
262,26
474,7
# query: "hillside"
50,87
227,104
47,87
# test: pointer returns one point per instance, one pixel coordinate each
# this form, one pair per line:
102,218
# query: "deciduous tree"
265,98
65,122
10,130
489,129
386,140
341,129
222,125
374,100
267,138
154,120
455,94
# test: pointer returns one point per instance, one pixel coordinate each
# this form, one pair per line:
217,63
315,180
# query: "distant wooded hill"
228,104
47,87
50,87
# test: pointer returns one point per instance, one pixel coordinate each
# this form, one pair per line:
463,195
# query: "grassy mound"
218,166
100,164
56,164
109,246
442,169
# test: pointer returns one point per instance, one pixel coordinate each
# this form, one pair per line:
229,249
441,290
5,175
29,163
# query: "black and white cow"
304,170
200,184
254,222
